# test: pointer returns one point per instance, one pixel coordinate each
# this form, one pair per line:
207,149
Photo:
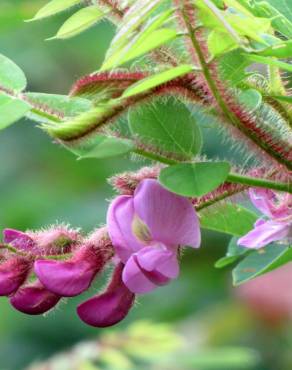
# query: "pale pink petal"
271,204
171,218
264,234
159,259
119,220
135,279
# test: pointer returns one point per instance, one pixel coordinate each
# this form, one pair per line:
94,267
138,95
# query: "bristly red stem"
113,5
88,123
229,107
127,182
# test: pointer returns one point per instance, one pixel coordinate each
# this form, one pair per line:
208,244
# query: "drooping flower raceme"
146,230
278,209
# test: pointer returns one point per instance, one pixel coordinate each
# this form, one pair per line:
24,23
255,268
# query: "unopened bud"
34,299
110,307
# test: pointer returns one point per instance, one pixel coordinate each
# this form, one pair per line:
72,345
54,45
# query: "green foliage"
102,147
11,110
270,61
168,127
233,66
234,252
64,104
260,262
11,76
194,179
228,218
251,99
54,7
283,50
157,79
138,33
79,22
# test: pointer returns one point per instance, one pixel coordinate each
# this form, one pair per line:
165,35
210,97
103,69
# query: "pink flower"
278,209
146,230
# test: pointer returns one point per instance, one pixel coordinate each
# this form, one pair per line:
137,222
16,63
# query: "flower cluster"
144,232
278,209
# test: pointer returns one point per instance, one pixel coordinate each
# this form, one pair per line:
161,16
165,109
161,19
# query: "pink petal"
70,278
13,273
270,203
264,234
160,259
34,299
171,218
110,307
119,220
19,240
135,279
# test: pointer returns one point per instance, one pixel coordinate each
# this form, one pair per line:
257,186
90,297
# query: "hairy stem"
155,157
215,90
258,182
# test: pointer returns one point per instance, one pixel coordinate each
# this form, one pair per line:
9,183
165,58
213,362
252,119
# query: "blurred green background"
41,183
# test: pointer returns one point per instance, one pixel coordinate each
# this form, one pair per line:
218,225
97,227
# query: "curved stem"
257,182
155,157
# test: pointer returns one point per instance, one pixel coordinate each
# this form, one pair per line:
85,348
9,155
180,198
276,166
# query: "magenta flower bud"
34,299
70,278
13,273
110,307
19,240
55,240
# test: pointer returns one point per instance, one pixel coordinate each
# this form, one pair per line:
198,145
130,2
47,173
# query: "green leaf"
219,43
158,79
102,147
261,261
276,10
11,110
281,50
234,252
54,7
167,126
132,23
151,42
269,61
11,76
228,218
251,99
79,22
232,66
194,179
70,107
285,99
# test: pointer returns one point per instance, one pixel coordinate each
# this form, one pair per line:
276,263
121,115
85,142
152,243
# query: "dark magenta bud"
110,307
13,273
34,299
70,278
